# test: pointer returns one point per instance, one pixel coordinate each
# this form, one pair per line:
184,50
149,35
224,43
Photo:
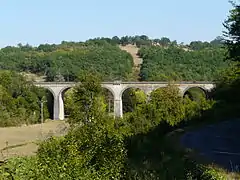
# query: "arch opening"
195,93
109,101
50,102
161,93
47,98
131,98
67,97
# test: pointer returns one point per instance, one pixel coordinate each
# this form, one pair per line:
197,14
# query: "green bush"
20,168
19,100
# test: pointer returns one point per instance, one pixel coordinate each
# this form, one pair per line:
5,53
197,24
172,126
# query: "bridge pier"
58,105
61,114
118,109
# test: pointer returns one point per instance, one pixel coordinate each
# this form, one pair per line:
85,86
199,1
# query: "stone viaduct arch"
116,88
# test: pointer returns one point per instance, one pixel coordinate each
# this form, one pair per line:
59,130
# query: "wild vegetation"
19,100
66,61
174,63
163,59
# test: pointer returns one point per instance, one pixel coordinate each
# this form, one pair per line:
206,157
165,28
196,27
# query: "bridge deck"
138,82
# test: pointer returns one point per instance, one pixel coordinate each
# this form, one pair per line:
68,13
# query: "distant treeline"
144,40
163,59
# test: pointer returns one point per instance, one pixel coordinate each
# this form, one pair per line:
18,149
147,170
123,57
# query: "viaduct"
116,88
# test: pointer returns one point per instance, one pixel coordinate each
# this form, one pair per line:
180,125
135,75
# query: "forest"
173,63
163,59
66,61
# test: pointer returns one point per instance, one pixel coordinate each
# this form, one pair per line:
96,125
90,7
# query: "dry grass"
21,141
133,50
33,77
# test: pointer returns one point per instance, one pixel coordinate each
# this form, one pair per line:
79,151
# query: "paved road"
219,143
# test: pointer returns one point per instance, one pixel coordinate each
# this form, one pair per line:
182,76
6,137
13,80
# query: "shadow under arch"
109,100
67,94
195,93
49,95
129,100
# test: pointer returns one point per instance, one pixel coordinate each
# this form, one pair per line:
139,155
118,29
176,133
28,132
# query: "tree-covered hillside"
174,63
163,59
67,60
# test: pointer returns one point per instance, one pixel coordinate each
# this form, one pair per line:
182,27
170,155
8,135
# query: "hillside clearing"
133,50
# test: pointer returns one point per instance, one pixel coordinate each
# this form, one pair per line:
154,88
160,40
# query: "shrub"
91,151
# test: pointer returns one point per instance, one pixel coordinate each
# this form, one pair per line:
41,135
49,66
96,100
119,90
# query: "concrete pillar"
116,89
118,109
182,90
55,108
58,105
61,107
148,93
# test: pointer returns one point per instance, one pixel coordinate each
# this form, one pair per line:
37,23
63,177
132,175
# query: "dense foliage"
232,24
101,147
173,63
67,60
143,40
19,100
227,91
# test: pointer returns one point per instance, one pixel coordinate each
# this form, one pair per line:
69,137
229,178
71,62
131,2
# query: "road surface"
219,143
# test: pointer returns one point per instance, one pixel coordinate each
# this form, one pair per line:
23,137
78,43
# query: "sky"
52,21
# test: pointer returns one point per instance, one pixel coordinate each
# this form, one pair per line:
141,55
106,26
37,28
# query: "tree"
59,77
133,98
228,84
94,146
19,100
164,41
232,35
125,40
168,104
116,39
144,37
218,41
174,43
199,45
88,100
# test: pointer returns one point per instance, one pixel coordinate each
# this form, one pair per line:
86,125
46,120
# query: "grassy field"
21,141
